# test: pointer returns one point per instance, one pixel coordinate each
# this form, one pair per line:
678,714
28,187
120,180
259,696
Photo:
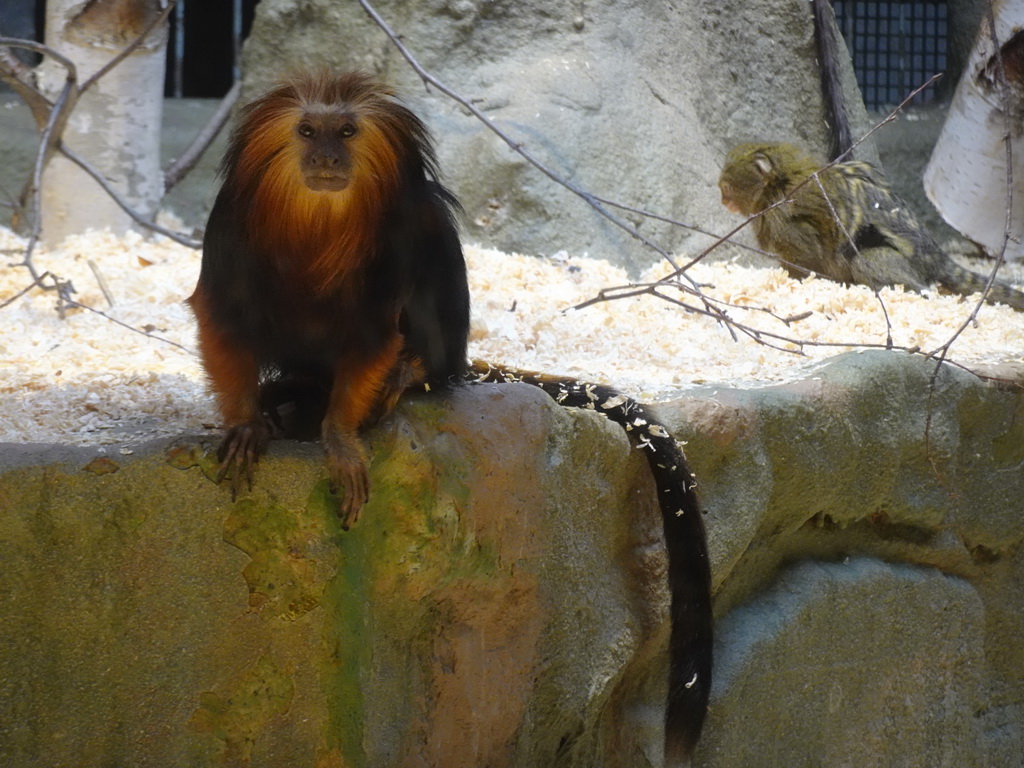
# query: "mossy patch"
238,715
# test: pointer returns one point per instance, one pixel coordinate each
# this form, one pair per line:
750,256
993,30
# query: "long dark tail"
689,574
964,281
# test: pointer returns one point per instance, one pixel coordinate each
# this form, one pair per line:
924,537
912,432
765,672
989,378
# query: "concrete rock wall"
492,606
501,600
868,565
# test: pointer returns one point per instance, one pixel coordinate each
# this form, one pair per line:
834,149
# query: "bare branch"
36,282
136,216
132,328
52,141
516,146
52,118
178,169
69,302
51,134
101,282
676,223
19,78
711,307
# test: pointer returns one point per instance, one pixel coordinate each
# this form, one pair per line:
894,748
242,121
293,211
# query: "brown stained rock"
473,616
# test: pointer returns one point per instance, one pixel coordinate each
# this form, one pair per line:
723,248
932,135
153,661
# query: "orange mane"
323,234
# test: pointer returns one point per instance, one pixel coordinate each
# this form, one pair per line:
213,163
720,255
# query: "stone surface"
501,601
851,663
637,102
866,533
468,619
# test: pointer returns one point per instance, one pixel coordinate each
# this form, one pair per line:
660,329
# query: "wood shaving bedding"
87,381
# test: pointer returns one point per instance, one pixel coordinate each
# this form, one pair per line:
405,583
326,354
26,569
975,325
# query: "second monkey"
851,228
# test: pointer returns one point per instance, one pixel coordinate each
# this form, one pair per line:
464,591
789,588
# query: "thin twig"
675,223
52,141
515,145
711,308
101,282
117,198
36,283
51,134
132,328
756,334
178,169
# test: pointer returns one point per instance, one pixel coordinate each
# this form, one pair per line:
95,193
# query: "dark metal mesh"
895,47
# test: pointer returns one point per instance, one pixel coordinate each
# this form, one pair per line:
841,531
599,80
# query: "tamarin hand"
347,469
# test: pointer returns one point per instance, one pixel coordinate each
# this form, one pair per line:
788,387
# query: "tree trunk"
966,177
116,123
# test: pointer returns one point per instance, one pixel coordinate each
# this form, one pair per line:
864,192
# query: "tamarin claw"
240,451
348,472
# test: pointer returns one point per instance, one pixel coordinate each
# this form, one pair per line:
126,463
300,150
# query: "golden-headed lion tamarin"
851,229
333,279
330,256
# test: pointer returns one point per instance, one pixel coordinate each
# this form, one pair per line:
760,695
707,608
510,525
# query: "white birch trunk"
115,125
966,176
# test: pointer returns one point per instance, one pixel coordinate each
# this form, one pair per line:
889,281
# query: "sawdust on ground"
87,380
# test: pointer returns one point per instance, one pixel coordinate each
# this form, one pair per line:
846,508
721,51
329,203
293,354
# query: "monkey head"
756,175
747,170
324,133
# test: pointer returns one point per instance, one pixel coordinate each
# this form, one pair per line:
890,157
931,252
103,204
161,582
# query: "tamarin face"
747,170
757,175
325,133
315,136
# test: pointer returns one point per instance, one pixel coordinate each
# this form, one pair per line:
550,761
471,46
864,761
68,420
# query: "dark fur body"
324,261
851,229
297,328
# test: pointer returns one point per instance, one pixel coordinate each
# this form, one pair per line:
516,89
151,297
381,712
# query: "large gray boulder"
637,102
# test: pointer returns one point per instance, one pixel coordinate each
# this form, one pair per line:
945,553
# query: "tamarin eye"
347,131
306,130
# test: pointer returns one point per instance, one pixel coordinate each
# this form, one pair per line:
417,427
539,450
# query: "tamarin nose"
325,160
